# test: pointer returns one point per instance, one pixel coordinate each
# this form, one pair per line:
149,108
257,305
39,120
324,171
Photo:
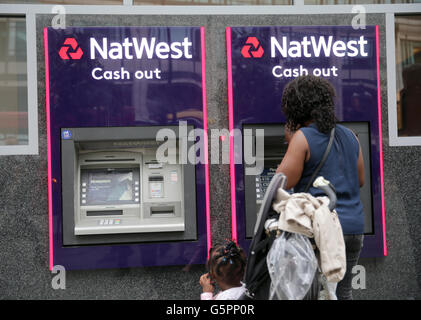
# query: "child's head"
227,263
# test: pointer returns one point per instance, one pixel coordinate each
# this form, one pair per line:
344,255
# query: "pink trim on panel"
231,130
379,106
205,129
50,198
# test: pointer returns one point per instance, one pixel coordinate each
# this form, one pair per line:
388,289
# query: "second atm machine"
255,95
274,150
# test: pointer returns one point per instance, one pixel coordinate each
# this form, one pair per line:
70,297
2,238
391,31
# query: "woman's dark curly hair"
309,98
228,262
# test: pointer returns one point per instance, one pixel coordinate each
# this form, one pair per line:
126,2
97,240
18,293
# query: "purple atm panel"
262,60
123,79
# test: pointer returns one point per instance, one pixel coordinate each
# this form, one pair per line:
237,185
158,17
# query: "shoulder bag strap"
322,162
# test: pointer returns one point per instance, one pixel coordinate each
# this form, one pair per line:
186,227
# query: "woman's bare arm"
293,163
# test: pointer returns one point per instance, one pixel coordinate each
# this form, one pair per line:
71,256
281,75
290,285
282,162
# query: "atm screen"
109,186
275,148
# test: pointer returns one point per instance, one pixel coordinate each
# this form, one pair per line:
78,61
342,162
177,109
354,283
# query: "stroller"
257,277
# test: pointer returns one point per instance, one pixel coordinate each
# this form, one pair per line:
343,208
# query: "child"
226,267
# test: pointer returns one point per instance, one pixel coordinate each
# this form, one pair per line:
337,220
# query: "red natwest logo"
75,52
252,48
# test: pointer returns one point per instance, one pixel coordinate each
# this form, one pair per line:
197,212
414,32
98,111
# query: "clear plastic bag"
292,265
329,289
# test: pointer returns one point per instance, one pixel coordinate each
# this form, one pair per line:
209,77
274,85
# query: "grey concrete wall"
24,270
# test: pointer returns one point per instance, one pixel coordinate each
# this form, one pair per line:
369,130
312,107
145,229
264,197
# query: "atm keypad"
262,182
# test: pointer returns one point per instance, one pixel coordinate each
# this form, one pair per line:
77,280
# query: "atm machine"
275,148
117,191
116,197
254,102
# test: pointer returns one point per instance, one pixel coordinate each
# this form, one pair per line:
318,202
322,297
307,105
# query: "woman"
307,103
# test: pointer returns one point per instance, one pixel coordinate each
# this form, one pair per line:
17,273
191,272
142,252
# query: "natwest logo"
70,50
139,48
252,48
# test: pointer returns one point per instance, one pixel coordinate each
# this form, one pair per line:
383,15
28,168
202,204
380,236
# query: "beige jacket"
302,213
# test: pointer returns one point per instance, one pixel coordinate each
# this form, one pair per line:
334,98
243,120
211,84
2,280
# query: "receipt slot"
116,197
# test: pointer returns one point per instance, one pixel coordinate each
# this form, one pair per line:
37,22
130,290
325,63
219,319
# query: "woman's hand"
206,283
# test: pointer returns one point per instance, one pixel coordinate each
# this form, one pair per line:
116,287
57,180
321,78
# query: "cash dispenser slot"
111,159
104,213
162,211
156,178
